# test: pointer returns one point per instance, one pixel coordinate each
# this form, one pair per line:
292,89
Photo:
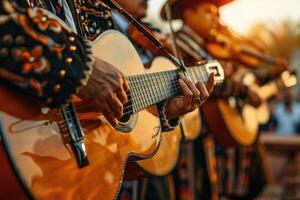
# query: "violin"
143,42
224,44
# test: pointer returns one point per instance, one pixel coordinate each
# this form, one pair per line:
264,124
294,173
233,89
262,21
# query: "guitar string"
160,86
137,99
163,79
162,82
141,104
141,89
131,107
158,79
151,76
88,127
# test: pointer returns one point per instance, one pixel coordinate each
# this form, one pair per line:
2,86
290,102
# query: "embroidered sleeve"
95,17
40,55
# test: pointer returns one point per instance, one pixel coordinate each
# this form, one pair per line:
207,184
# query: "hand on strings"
193,97
106,90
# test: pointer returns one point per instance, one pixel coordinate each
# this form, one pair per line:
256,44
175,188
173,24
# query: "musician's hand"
253,98
106,90
188,102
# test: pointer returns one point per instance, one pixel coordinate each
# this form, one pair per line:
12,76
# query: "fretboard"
149,89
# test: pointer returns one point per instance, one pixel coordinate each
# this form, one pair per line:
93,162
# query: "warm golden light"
240,15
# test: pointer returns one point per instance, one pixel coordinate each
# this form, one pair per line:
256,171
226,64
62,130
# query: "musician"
48,60
192,38
53,62
138,8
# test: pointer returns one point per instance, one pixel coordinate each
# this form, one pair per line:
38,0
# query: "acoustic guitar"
54,158
194,118
165,159
237,125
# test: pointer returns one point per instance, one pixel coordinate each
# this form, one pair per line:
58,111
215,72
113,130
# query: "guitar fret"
134,94
194,78
144,91
169,82
137,94
165,81
206,75
154,85
200,78
149,89
155,88
151,92
202,75
131,93
161,87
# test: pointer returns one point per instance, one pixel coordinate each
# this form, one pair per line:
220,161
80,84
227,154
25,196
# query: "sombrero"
178,6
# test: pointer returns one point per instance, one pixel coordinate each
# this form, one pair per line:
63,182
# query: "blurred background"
275,25
272,24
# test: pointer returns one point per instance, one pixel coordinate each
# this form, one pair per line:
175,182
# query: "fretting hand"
189,101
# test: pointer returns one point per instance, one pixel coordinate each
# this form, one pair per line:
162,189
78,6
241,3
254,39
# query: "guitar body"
262,113
229,126
239,127
192,125
165,159
46,166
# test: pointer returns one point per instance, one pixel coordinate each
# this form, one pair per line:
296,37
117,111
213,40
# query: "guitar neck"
150,89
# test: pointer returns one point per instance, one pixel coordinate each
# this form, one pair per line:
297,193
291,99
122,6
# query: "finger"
120,87
125,84
185,89
210,83
122,96
204,93
107,112
115,105
191,86
188,104
122,82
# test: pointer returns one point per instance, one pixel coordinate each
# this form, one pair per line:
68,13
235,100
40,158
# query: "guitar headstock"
289,78
213,66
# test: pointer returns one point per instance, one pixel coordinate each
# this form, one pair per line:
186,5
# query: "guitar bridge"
73,134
